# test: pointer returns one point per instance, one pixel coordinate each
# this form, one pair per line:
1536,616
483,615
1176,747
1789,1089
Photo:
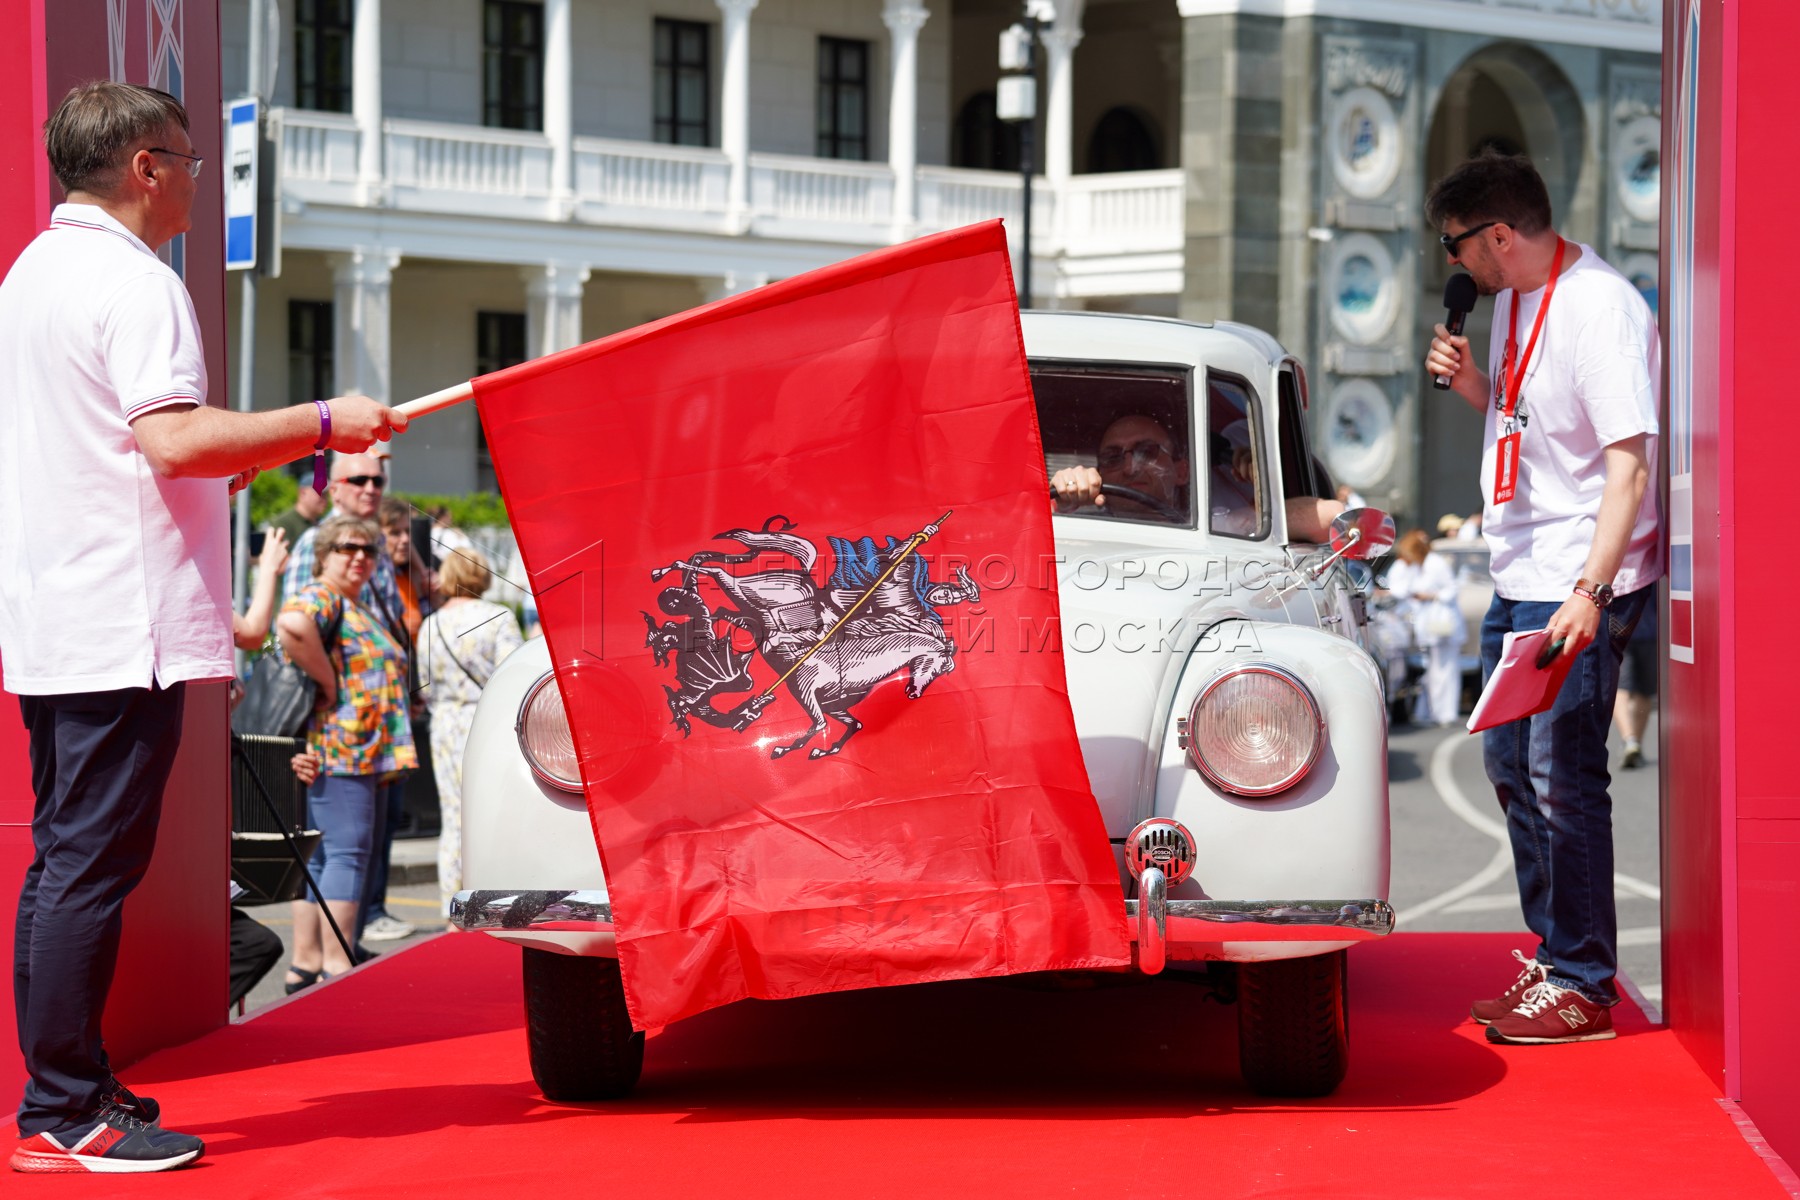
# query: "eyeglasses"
1451,243
352,549
194,161
362,481
1147,451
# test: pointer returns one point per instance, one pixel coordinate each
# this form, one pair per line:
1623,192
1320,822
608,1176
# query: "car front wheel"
1294,1024
580,1037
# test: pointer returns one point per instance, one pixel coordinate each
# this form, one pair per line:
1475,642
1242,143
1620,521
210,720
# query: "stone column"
904,19
734,108
559,106
362,320
365,100
553,307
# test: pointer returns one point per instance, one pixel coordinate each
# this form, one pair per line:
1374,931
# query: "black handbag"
279,697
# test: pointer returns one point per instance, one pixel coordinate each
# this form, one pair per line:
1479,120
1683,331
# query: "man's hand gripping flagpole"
752,708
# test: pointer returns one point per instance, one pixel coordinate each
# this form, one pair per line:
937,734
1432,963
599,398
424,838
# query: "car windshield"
1128,422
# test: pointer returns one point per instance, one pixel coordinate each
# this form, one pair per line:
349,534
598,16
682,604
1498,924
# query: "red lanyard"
1506,457
1515,369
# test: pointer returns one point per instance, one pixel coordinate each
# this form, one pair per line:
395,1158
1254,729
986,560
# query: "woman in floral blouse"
460,645
359,731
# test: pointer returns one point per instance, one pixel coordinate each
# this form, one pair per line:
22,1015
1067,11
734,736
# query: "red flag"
792,555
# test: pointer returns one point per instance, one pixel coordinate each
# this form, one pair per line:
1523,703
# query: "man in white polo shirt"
1569,401
115,586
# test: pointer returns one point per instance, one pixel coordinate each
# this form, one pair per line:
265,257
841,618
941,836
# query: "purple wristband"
319,447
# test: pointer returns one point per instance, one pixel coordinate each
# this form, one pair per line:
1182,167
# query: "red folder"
1518,687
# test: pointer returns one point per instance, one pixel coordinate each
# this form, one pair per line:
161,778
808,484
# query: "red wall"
1732,804
171,983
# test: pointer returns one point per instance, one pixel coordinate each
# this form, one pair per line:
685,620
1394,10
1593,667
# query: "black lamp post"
1015,101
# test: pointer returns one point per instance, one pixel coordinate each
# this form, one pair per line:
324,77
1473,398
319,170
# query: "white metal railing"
430,156
646,175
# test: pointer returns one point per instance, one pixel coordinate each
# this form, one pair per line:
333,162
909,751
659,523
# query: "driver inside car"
1137,453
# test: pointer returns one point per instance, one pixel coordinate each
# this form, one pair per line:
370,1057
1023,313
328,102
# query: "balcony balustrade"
461,170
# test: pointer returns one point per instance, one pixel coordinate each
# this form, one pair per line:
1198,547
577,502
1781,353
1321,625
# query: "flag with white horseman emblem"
792,556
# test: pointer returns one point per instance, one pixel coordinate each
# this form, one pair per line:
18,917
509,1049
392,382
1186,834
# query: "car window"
1297,462
1129,422
1236,478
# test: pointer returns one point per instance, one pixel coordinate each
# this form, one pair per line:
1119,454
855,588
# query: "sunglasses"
361,481
1144,452
1451,243
352,549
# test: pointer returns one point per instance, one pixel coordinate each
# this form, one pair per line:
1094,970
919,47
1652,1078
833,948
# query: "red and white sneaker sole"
36,1162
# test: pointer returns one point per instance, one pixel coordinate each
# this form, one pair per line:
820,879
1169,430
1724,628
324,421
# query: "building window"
512,85
322,55
683,83
499,343
843,127
981,141
311,370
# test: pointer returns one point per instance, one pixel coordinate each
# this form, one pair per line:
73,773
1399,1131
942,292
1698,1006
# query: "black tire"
580,1037
1294,1024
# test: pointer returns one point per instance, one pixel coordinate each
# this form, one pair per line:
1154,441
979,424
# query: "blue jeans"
390,811
1549,772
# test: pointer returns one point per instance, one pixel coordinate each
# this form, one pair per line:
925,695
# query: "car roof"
1262,343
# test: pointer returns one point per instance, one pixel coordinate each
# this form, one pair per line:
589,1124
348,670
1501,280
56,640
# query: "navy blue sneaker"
114,1144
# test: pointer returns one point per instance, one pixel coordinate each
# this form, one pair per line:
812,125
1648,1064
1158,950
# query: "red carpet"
408,1078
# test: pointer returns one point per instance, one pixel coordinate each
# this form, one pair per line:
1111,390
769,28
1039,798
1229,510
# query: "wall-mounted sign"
1359,433
242,134
1361,291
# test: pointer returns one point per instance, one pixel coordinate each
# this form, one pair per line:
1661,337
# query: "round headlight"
544,736
1255,730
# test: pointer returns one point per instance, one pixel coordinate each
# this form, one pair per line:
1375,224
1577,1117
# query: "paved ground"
1452,867
1452,870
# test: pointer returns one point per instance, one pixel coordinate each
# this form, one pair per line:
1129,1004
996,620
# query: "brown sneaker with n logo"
1486,1012
1548,1014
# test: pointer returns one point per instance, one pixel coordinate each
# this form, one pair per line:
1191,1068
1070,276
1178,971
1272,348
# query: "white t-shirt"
1592,381
110,575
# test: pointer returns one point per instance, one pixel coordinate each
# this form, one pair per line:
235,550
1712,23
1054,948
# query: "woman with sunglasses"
360,731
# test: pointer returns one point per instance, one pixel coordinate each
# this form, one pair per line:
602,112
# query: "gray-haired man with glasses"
115,582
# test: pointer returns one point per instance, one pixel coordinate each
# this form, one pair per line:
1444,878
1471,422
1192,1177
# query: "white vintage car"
1231,718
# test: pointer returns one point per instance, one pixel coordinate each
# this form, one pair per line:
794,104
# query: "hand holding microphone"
1448,357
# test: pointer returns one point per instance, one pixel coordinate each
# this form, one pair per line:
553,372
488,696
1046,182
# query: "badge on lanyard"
1512,380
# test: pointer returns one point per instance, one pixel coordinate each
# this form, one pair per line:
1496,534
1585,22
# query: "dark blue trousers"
99,761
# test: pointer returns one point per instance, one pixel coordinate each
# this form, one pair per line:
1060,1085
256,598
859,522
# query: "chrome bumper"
1153,918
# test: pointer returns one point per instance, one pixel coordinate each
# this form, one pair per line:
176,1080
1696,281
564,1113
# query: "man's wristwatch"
1600,593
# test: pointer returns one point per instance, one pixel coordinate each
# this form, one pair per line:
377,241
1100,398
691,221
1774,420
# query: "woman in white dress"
460,644
1426,584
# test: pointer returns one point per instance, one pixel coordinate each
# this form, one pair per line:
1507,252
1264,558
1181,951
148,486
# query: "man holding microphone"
1569,400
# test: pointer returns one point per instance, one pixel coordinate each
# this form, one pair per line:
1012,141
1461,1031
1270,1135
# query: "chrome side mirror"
1363,533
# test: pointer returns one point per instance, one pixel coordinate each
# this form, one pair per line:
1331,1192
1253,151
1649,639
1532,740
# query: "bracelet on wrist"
319,446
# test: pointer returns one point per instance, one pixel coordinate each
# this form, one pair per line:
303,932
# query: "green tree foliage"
271,494
479,510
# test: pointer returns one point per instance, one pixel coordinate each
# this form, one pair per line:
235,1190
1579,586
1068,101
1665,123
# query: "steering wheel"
1143,498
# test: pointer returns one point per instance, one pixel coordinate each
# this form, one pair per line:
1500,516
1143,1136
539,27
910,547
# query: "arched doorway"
1123,140
981,140
1506,97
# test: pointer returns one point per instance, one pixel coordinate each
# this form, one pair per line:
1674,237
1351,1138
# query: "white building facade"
466,183
463,184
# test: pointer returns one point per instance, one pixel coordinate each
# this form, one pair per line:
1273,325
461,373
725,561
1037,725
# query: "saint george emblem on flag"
792,555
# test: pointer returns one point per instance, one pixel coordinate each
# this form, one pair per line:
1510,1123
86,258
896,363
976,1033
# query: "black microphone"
1459,298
